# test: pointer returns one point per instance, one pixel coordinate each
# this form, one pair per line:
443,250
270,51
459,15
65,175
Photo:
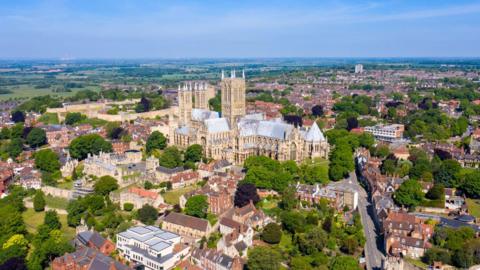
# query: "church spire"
233,73
223,74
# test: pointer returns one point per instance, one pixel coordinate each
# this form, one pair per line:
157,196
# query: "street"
373,246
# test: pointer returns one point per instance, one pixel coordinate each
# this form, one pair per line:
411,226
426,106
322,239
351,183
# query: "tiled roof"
187,221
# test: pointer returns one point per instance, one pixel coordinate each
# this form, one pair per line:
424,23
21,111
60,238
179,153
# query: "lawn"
65,185
417,263
34,219
474,207
172,196
26,91
56,202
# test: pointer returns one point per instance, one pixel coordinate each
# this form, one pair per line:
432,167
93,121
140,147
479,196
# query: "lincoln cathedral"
234,135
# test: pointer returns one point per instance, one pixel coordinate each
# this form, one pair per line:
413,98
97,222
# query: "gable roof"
187,221
314,134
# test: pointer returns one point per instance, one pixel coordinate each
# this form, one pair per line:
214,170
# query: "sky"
129,29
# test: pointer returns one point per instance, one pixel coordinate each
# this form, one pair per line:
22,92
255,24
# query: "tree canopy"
197,206
47,161
93,144
409,194
156,140
36,137
245,193
105,185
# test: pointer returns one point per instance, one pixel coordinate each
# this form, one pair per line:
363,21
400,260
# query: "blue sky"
245,28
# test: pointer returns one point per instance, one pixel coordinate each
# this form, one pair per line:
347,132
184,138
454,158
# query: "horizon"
147,29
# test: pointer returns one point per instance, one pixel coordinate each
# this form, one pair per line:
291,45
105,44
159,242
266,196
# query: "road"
373,247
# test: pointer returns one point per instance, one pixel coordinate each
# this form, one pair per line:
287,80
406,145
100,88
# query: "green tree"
93,144
344,263
128,206
300,263
147,214
197,206
263,258
15,147
312,242
156,140
47,161
471,184
437,192
105,185
409,194
74,117
289,198
36,137
272,233
39,201
194,153
171,157
51,220
448,173
293,221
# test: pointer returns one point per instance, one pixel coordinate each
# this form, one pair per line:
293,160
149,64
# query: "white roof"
201,114
217,125
314,134
249,126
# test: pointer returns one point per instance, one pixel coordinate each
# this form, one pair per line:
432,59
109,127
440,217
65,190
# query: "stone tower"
185,104
233,97
202,93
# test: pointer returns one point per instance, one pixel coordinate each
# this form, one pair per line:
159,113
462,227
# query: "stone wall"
57,192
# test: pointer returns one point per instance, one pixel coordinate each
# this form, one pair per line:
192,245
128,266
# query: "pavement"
374,244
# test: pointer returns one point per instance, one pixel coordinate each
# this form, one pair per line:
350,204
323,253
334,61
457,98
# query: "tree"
366,140
143,106
272,233
36,137
352,123
39,201
300,263
388,166
115,132
289,198
74,117
312,242
105,185
170,157
293,221
156,140
128,206
93,144
448,173
51,220
197,206
344,263
409,194
263,258
47,161
15,147
437,192
18,116
194,153
245,193
147,214
471,184
317,110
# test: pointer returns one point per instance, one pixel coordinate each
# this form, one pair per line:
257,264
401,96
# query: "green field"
173,196
25,91
473,207
56,202
34,219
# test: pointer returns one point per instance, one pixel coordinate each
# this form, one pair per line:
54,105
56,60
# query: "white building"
388,133
358,68
151,247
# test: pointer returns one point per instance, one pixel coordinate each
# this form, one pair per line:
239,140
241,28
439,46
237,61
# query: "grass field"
25,91
173,196
474,207
34,219
56,202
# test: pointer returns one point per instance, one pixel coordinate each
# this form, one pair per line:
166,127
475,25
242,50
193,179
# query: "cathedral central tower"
233,97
